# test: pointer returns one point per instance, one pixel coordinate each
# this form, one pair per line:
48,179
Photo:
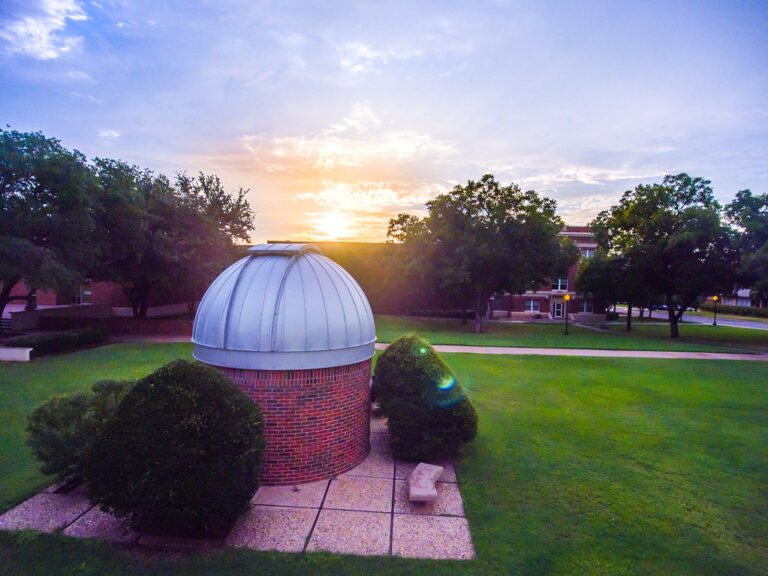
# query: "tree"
162,238
611,278
749,214
47,214
481,238
673,238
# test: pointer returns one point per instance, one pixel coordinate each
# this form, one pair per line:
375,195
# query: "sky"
339,115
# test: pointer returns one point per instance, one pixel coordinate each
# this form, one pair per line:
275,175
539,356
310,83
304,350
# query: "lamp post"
567,297
715,299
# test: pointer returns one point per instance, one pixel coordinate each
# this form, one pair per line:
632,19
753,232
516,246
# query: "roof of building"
284,307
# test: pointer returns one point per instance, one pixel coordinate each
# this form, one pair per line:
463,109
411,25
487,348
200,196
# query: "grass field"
581,466
644,336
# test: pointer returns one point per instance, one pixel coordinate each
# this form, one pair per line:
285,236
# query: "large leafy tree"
47,214
166,238
481,238
749,213
673,237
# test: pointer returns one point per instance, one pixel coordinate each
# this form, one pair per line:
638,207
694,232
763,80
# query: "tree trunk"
674,330
463,315
479,309
629,316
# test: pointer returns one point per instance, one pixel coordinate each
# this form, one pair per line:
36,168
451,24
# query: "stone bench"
421,483
15,354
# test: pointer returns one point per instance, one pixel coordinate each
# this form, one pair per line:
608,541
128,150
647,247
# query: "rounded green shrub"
429,415
181,454
62,431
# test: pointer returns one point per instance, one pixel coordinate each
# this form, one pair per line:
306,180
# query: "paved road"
693,319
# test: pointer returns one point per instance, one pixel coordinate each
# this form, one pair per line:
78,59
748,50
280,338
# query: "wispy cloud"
40,33
359,57
356,141
109,134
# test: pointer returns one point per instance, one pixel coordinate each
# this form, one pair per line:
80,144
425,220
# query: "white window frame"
532,305
560,284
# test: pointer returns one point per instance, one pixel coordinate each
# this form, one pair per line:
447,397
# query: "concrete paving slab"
440,537
378,424
448,501
101,525
301,495
45,513
351,532
380,443
359,493
273,528
376,465
404,468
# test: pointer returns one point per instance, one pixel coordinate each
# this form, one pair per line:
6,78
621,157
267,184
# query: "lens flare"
446,383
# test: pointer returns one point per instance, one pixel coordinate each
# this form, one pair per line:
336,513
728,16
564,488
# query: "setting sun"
333,225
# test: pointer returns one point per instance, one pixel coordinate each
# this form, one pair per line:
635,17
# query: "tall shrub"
62,431
429,415
181,454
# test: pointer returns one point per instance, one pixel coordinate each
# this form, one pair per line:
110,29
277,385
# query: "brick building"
548,302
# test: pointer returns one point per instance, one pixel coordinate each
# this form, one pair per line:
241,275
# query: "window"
532,305
560,284
586,306
587,253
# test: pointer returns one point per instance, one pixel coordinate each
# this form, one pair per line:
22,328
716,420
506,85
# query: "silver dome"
284,307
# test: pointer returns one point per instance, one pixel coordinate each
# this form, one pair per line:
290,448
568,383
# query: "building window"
587,253
586,306
560,284
532,305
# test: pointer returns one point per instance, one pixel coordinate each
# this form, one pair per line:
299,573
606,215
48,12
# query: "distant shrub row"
59,341
753,311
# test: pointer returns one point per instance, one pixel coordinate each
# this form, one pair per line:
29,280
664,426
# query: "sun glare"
334,225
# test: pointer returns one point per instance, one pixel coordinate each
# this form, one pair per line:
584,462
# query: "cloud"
91,99
40,34
356,141
358,57
372,197
109,134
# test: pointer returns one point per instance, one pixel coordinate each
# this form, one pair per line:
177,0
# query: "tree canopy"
48,212
482,238
63,219
749,214
673,238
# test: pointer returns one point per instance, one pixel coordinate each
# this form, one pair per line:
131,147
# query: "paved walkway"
365,511
521,351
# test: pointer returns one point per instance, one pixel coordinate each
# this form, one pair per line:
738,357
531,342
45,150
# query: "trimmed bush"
62,431
59,341
181,454
429,415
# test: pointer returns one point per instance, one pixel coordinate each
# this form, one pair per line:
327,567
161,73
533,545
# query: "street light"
715,299
567,297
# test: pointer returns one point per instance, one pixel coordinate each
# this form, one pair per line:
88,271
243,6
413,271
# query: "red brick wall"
317,422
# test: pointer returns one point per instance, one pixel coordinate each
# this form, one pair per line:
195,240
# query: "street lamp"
715,299
567,297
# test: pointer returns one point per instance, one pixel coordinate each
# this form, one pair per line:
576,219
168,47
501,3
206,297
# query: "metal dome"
284,307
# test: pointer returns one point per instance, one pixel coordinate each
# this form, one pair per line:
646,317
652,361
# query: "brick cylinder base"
316,422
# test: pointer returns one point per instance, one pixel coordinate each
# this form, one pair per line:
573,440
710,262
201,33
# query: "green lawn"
644,336
581,466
